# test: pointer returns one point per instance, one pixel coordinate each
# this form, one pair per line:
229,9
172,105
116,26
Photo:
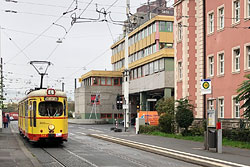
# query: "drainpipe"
204,55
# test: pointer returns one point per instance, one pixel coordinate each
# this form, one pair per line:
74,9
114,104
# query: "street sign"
125,106
206,87
151,99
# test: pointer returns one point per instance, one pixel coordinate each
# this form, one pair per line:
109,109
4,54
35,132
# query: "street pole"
1,118
126,71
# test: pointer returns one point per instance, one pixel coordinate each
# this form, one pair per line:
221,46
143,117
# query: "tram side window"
50,108
26,108
64,108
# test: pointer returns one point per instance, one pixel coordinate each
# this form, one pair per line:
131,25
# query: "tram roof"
43,92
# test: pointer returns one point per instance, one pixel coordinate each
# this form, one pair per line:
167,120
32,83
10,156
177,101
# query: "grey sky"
85,45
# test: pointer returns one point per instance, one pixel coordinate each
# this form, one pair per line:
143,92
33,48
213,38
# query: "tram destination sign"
51,98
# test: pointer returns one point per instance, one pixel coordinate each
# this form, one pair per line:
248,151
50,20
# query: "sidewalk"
230,154
12,151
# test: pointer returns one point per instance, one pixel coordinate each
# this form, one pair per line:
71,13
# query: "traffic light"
119,102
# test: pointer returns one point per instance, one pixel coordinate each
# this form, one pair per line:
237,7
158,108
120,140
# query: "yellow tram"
43,114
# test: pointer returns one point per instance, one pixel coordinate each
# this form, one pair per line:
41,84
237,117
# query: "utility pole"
126,72
1,82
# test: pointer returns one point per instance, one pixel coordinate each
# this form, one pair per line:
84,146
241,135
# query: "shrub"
184,114
237,135
148,128
166,123
197,131
165,105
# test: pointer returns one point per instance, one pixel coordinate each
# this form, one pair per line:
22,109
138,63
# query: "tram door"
32,110
26,108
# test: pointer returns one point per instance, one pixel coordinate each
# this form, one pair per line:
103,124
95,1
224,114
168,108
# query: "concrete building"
151,62
102,87
212,41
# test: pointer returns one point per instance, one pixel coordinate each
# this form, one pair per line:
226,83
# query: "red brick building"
212,41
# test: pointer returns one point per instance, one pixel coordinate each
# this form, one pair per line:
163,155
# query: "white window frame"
247,5
221,17
211,104
235,57
235,11
210,16
210,66
221,107
247,56
235,108
220,63
180,35
180,74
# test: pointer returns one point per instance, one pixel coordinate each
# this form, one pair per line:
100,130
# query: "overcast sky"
30,35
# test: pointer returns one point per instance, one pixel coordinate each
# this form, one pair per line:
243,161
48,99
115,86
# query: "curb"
33,159
183,156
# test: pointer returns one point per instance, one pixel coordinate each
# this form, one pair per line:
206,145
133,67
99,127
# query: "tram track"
63,162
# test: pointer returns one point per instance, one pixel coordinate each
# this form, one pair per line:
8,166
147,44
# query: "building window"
146,67
210,104
221,108
180,70
248,57
236,11
156,66
211,22
236,60
221,18
161,65
109,81
116,81
162,26
139,72
154,27
151,68
236,108
95,81
103,81
179,31
211,66
169,26
248,9
221,63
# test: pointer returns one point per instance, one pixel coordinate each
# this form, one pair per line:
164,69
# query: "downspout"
204,55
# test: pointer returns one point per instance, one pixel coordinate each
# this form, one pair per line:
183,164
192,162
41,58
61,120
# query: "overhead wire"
15,44
35,39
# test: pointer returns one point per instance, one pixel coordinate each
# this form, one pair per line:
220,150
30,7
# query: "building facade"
212,42
96,97
151,62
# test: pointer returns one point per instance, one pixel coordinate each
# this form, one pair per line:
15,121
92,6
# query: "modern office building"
151,61
214,44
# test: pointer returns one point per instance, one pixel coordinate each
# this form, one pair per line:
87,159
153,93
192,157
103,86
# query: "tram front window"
54,109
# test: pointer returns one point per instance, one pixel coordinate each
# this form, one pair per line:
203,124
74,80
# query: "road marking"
95,130
81,128
85,160
72,134
170,152
81,133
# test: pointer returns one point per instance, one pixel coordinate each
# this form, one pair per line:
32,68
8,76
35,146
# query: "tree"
165,108
165,105
184,113
244,95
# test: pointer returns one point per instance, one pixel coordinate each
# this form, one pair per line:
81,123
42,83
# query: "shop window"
103,116
95,81
109,115
116,81
109,81
103,81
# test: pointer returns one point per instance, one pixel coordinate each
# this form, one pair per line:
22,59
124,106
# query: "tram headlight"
51,127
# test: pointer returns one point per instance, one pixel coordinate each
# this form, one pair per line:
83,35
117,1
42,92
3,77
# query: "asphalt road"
83,150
